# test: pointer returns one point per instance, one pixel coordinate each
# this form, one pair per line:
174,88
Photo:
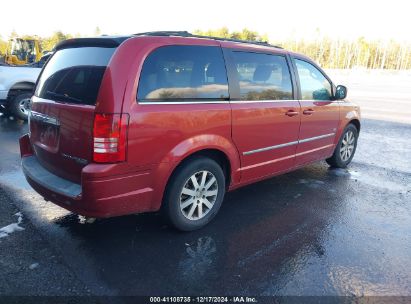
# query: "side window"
183,72
263,76
314,86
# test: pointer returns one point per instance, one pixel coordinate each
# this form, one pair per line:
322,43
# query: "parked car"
16,86
171,121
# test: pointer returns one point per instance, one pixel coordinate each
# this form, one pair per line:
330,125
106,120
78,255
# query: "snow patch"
33,266
9,229
86,220
339,172
354,174
380,182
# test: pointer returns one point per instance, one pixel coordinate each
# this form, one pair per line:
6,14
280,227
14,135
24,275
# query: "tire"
4,111
18,106
341,159
187,207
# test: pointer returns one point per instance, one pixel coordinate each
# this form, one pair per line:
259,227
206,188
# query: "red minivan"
171,121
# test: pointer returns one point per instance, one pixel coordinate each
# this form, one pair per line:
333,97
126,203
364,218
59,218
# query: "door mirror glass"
340,92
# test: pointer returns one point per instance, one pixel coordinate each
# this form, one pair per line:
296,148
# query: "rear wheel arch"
167,170
19,87
213,146
217,155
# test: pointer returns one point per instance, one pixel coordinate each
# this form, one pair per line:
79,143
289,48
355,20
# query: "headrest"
262,73
213,70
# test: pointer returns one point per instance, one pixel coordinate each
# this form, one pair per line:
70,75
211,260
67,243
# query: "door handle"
291,113
308,112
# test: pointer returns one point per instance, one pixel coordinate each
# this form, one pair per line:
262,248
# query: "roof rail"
187,34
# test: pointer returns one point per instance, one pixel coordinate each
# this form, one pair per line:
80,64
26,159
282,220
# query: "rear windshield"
74,75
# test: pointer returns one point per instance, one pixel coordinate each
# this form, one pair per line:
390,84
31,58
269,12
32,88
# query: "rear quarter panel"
9,76
162,135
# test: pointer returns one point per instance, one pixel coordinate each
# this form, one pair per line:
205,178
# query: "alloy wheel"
347,145
23,106
198,195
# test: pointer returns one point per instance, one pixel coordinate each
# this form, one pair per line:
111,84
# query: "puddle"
198,258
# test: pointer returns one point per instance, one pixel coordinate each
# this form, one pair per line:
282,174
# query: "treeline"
223,32
343,54
329,53
337,54
46,43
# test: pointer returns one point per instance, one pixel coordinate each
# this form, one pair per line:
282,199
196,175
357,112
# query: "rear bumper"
97,197
40,176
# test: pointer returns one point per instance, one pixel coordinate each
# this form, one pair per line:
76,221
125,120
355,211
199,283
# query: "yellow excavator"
22,51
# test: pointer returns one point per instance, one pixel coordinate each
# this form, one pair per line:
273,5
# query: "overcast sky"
278,19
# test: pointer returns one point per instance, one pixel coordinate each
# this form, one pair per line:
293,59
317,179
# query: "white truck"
16,87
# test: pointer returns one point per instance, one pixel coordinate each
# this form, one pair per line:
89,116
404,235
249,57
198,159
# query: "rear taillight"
110,138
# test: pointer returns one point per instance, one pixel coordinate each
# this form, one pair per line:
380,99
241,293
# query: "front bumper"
95,197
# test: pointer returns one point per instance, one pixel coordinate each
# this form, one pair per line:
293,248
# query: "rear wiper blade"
65,97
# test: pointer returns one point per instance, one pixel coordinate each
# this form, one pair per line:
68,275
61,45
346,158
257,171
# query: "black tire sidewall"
340,163
177,181
15,105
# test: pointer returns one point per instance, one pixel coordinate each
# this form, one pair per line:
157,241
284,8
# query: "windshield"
19,48
74,75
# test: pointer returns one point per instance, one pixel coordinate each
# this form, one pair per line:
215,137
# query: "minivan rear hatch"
62,112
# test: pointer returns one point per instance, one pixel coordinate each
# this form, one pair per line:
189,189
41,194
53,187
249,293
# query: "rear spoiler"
107,42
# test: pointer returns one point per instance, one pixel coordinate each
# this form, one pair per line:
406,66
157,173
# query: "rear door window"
263,76
74,75
181,72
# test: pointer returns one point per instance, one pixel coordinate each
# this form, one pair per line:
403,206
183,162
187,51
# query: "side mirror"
340,92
